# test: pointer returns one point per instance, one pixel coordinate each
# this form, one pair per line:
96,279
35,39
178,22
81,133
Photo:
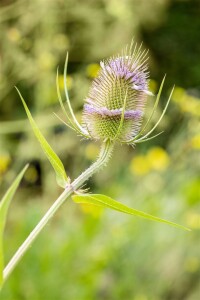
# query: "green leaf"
105,201
4,204
55,161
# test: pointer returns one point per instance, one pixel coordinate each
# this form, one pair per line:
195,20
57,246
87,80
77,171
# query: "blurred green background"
86,253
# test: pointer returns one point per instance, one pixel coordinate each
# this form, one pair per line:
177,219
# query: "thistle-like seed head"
115,105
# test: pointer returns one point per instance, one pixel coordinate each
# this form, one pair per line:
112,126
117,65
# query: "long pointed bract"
151,115
74,125
68,101
159,120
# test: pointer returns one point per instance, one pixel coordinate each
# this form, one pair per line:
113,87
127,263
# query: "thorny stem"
105,153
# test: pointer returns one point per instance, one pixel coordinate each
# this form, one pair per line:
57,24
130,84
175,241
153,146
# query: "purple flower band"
122,67
105,112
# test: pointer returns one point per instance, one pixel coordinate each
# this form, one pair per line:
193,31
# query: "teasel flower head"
115,106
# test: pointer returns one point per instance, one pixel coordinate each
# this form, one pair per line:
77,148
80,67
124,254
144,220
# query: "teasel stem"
104,156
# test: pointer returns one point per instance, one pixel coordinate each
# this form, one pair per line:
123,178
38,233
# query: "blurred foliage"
175,43
88,253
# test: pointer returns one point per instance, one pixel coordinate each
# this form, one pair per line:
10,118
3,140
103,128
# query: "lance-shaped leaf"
105,201
55,161
4,204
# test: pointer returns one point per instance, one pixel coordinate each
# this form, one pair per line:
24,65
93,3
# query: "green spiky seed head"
115,105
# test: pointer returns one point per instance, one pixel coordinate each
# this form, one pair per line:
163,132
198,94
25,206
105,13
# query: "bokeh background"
86,253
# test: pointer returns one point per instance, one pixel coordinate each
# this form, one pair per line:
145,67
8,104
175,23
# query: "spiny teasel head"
115,105
116,102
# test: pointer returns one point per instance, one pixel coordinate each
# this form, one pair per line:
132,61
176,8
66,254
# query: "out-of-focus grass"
87,253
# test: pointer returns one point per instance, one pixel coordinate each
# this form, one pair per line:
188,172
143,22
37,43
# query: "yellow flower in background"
195,141
92,70
61,82
4,163
193,220
61,42
187,103
140,165
140,297
14,34
93,210
178,94
153,85
158,158
46,61
192,264
91,151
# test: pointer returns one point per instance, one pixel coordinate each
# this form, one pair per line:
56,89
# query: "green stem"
103,158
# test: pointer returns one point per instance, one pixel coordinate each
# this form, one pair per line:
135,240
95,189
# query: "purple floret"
122,67
105,112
